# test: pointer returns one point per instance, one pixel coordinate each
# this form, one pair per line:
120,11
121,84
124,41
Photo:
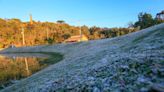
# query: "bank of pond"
16,66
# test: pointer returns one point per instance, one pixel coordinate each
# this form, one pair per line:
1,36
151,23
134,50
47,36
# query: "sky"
102,13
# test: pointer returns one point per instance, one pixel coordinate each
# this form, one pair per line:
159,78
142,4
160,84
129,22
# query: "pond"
15,66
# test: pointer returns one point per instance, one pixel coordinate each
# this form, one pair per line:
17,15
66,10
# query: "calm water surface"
14,67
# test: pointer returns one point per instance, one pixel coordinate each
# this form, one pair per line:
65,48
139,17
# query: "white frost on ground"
114,64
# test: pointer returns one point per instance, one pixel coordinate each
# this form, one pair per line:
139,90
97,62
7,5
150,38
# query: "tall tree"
144,20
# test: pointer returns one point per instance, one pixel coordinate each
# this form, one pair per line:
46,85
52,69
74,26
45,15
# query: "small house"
77,38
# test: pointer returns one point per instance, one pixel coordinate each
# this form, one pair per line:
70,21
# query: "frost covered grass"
133,62
140,38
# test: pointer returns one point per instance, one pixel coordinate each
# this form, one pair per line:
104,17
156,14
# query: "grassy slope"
132,62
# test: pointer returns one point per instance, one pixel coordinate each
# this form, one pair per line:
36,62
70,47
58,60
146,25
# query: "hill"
38,33
133,62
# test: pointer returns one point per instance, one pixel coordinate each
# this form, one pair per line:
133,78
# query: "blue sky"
102,13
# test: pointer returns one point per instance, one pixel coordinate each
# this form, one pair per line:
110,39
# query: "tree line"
146,20
40,33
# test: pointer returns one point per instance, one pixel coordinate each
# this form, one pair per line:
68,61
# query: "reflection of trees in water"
16,68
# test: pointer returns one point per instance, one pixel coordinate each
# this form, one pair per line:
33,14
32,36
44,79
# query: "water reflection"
15,67
27,69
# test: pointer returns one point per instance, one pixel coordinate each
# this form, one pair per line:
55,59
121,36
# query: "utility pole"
80,34
31,21
23,40
47,32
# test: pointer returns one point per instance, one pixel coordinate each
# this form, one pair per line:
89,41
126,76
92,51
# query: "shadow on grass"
53,58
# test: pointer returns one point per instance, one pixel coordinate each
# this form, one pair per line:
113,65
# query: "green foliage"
157,21
47,32
50,40
115,32
35,34
146,20
60,21
66,36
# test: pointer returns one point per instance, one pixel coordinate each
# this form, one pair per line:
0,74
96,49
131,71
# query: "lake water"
14,67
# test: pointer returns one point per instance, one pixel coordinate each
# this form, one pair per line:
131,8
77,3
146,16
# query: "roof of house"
74,38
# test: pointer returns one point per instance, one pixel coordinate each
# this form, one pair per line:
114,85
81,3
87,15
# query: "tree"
144,20
158,21
50,40
66,36
49,32
85,30
130,25
61,21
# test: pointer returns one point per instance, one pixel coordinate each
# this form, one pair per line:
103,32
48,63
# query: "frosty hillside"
134,62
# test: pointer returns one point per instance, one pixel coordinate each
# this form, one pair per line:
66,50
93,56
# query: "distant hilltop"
14,32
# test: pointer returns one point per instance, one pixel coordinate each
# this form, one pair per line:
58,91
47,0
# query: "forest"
39,33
